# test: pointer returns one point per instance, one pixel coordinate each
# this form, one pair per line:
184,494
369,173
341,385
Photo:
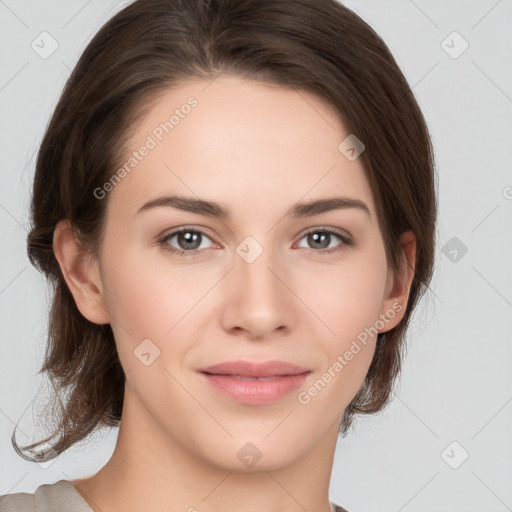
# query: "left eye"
189,241
318,238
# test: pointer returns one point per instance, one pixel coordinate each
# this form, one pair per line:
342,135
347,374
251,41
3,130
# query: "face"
259,283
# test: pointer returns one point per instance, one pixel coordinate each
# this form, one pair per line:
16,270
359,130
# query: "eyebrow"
213,209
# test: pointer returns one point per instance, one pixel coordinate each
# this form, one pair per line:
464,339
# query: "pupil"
314,237
189,237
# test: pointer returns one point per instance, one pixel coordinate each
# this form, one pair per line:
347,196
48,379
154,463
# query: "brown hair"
318,46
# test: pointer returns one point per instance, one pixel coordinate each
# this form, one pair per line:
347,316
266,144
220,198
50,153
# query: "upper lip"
250,369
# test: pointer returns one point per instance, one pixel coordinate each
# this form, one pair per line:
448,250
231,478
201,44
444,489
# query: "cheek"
133,299
141,304
151,300
348,297
348,301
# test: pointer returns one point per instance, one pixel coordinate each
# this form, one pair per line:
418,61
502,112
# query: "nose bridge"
259,300
256,266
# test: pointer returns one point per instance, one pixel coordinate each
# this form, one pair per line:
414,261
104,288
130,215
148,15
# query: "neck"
150,470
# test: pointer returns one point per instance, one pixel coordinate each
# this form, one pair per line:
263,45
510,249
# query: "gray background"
455,394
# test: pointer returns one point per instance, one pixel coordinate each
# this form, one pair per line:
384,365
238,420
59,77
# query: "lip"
249,369
238,380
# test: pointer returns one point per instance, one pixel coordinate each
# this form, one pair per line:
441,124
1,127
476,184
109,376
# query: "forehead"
241,143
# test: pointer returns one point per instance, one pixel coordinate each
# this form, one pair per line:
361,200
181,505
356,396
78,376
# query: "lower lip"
256,392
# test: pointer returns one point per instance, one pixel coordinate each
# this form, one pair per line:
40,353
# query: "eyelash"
346,242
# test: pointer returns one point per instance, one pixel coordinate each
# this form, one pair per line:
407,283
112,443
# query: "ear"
398,286
81,273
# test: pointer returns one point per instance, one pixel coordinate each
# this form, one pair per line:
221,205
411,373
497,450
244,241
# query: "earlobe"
81,273
398,286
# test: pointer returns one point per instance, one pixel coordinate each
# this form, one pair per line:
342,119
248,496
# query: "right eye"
189,239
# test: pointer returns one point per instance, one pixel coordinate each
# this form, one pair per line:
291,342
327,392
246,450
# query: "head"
254,106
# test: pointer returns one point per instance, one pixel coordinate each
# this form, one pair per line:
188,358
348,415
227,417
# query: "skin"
257,149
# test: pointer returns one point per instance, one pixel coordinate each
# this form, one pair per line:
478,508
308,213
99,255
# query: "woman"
235,201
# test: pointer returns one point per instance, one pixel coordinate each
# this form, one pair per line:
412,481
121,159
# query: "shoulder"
17,502
60,496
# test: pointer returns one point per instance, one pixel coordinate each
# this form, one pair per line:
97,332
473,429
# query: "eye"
320,239
188,241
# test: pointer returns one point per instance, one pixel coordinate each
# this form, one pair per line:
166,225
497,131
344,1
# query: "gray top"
58,497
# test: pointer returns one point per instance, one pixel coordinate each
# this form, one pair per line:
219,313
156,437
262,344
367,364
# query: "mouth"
242,377
255,383
258,370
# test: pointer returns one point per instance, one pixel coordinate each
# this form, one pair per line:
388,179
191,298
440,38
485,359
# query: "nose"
258,297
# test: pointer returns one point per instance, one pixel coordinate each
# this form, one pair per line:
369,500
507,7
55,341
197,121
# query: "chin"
254,453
